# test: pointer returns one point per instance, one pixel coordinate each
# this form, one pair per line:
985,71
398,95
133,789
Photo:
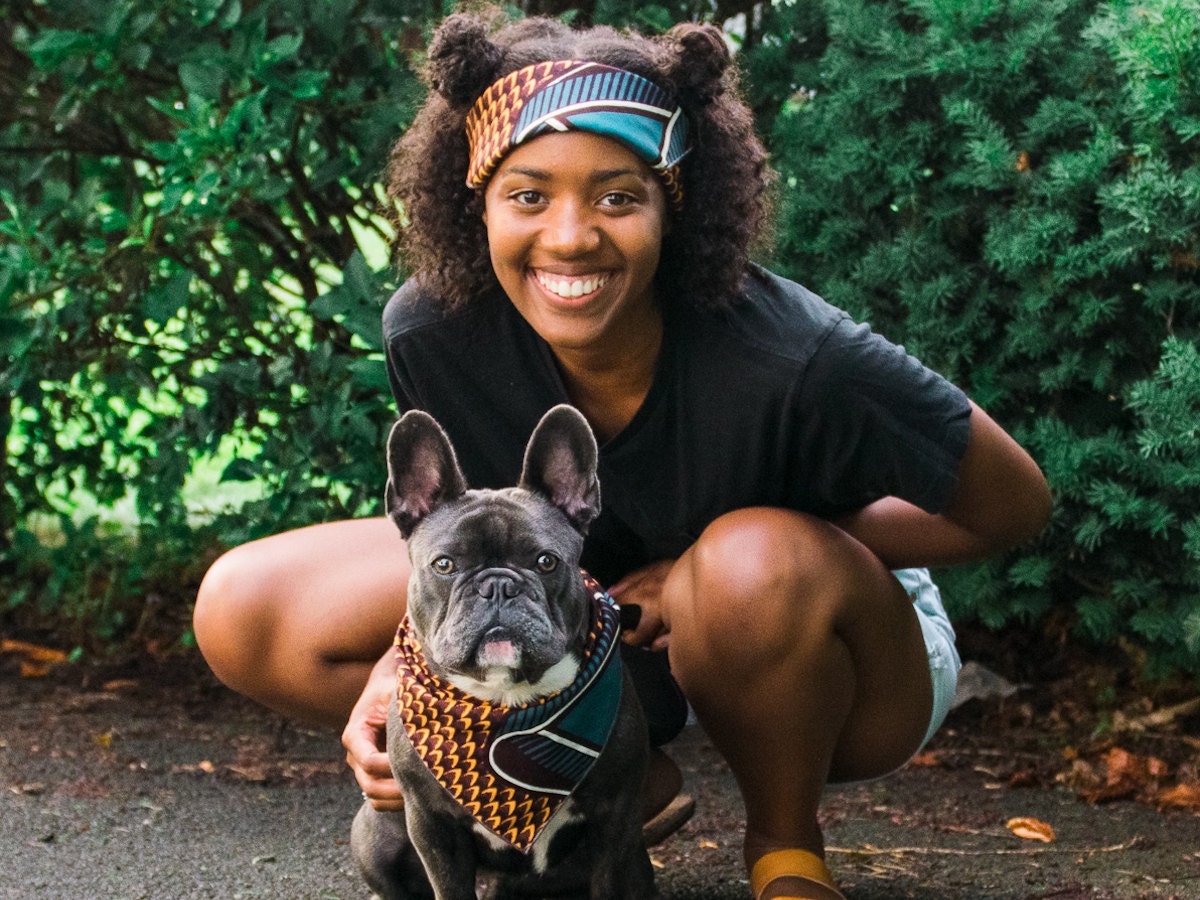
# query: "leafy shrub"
186,193
1012,188
187,205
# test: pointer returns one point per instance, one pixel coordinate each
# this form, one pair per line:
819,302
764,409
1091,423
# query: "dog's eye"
547,562
444,565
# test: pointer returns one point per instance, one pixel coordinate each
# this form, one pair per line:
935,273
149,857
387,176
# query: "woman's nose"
570,230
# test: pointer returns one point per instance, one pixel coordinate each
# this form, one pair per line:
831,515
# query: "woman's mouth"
570,287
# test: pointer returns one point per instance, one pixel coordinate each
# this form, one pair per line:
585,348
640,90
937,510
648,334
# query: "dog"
516,736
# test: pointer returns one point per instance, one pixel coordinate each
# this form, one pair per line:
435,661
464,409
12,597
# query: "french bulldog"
516,737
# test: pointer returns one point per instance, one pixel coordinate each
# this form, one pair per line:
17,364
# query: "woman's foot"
792,874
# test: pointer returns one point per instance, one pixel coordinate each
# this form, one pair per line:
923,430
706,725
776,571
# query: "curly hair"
442,237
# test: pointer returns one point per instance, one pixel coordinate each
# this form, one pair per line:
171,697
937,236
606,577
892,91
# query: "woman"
579,210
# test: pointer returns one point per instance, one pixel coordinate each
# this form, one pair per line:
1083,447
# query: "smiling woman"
575,225
581,207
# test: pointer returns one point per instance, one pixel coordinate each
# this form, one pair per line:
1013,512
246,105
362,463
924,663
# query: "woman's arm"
1001,501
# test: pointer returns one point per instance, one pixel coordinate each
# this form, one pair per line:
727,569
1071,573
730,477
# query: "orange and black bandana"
511,768
570,95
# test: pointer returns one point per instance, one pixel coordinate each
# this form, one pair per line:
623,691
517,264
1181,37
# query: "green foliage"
186,194
1012,188
188,208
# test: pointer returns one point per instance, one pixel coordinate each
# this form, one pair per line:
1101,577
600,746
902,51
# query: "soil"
150,780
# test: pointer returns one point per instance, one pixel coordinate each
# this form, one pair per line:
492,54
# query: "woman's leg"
804,661
297,620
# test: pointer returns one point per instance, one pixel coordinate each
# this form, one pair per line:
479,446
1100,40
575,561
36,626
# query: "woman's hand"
365,737
643,588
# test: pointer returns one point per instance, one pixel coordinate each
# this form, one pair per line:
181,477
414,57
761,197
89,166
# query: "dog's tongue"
498,653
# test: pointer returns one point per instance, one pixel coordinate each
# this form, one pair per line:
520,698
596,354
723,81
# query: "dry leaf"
33,652
118,684
36,660
1182,796
251,773
1031,829
1125,775
709,845
929,758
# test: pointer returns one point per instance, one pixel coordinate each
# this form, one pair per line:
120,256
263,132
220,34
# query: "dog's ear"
423,472
560,464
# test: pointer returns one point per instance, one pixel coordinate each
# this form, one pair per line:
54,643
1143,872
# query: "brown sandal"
800,865
668,820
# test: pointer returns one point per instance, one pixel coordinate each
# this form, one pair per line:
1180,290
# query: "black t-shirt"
780,400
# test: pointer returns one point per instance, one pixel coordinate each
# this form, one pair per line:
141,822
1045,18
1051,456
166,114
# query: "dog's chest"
546,851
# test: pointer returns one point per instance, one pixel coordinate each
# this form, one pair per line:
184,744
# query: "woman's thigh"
769,587
296,619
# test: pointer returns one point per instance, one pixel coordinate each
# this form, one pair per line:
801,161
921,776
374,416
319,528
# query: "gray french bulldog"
516,737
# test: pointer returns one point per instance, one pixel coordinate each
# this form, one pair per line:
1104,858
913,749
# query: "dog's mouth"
497,649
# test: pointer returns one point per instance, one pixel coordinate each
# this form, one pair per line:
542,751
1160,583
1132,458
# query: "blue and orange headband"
571,95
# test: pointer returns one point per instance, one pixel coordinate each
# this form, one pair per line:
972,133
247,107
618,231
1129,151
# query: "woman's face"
575,224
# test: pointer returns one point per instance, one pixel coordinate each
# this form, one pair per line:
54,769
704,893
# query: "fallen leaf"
36,660
709,845
1124,775
1031,829
119,684
1182,796
251,773
929,758
34,652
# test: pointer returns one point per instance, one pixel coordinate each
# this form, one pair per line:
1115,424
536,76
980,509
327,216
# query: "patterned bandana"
511,768
569,95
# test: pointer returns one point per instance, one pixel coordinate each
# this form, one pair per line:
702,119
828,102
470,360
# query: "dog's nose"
498,586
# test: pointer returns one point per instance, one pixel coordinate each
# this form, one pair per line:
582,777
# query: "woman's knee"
766,568
233,614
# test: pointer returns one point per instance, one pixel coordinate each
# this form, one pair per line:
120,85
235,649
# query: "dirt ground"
149,780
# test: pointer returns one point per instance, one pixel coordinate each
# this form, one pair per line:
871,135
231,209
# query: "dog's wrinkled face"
495,596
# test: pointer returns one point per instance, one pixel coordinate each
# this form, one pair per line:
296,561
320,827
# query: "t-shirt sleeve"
878,423
406,311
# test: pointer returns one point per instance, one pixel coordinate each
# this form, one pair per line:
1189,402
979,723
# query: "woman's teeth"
571,288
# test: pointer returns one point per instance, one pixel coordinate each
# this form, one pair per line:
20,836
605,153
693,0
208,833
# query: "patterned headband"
570,95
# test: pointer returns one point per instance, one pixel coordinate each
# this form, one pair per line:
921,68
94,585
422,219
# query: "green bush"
186,195
1012,188
188,207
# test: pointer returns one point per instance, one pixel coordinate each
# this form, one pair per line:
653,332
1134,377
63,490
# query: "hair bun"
701,60
462,59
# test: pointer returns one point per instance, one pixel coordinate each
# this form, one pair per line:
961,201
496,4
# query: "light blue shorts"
944,662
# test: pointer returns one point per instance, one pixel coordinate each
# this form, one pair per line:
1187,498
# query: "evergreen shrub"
1011,188
186,195
188,204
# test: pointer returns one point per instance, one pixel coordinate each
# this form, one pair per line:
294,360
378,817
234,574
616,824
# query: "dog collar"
512,767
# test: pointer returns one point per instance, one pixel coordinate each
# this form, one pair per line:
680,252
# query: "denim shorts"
944,661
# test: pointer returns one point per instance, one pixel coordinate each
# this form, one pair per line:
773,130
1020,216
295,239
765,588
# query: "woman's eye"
526,198
616,199
444,565
547,562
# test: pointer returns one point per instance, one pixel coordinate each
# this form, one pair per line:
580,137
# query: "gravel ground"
164,785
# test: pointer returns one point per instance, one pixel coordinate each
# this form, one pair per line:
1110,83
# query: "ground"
149,780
